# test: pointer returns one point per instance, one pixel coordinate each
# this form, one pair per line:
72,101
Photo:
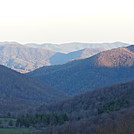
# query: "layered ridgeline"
99,111
75,46
24,59
91,103
62,58
104,69
18,91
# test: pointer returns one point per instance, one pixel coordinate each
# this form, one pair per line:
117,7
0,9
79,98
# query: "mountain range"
75,46
68,93
23,58
103,69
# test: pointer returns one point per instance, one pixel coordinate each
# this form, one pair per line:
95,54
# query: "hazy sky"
59,21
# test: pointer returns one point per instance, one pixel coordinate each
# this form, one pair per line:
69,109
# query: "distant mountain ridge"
24,59
75,46
103,69
61,58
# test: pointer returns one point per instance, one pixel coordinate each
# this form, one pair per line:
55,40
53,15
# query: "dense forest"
41,120
96,111
103,69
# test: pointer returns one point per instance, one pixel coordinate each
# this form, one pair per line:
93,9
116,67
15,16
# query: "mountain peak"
115,58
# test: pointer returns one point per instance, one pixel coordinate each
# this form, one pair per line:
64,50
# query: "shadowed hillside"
61,58
16,86
91,103
104,69
15,105
101,111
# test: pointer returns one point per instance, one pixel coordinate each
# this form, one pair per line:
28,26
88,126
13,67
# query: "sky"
61,21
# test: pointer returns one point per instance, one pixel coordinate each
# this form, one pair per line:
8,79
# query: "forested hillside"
103,69
16,90
24,58
99,111
62,58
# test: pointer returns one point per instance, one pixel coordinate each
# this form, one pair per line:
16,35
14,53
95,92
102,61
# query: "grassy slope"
15,131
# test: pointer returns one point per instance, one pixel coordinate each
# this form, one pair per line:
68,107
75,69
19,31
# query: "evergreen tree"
10,123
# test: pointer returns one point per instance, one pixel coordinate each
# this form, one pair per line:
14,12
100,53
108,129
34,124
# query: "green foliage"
41,120
10,123
0,122
9,114
16,131
113,106
7,122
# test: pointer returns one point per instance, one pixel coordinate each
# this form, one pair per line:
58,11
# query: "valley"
87,90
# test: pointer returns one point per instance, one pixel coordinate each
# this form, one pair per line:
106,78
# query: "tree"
10,123
0,122
9,114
